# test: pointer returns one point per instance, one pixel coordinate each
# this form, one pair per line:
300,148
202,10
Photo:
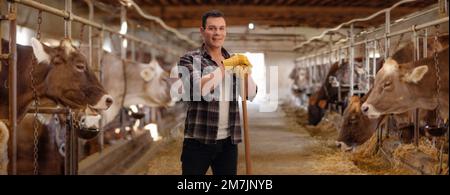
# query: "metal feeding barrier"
419,25
71,158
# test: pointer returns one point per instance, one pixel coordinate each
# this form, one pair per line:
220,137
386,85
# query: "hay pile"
337,163
327,129
426,147
367,159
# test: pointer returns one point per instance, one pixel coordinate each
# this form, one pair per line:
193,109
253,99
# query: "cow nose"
109,101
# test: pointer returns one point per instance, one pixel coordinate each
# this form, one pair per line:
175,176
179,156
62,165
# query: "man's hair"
213,14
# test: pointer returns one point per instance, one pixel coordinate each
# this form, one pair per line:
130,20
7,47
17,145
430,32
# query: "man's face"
215,32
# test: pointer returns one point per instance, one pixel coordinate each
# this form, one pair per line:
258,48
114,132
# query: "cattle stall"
375,45
72,124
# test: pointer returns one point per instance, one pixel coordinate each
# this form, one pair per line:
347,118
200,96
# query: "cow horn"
67,45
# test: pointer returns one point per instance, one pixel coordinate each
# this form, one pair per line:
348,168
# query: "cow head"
160,77
391,91
150,86
356,128
69,80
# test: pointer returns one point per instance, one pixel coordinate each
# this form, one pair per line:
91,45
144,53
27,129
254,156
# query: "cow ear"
416,74
146,74
39,52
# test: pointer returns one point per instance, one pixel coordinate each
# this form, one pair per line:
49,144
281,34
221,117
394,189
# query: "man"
212,126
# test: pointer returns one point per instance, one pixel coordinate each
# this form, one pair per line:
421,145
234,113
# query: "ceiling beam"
248,10
189,16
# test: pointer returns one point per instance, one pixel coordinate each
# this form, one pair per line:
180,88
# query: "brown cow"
61,74
329,94
357,128
402,87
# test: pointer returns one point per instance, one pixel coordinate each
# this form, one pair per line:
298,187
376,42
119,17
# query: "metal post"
123,50
425,43
416,112
352,59
387,40
91,18
12,9
68,21
374,66
308,65
339,87
100,65
68,146
367,65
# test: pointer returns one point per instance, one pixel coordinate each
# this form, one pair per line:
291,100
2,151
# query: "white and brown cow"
134,83
61,74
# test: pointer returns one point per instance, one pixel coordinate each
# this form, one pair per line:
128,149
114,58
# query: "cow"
300,88
357,127
402,87
328,93
132,83
61,74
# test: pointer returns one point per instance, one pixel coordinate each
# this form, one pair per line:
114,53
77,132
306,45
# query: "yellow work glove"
238,64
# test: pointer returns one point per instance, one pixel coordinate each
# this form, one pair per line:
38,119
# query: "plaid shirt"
202,117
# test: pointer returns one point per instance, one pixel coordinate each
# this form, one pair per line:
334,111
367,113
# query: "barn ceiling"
308,13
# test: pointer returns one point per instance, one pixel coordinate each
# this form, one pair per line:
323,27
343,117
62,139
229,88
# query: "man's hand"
238,64
237,60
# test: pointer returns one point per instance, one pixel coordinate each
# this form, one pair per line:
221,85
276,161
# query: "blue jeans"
197,157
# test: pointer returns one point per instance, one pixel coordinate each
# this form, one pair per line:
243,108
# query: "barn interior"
292,45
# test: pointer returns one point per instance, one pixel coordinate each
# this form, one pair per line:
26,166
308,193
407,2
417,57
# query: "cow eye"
80,67
387,84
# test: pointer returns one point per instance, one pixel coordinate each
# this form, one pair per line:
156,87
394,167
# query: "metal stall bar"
396,33
351,22
123,45
352,59
416,111
367,65
91,45
340,106
71,134
374,65
99,55
12,61
68,19
387,31
310,82
81,20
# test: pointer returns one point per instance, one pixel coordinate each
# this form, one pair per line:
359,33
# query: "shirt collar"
205,53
